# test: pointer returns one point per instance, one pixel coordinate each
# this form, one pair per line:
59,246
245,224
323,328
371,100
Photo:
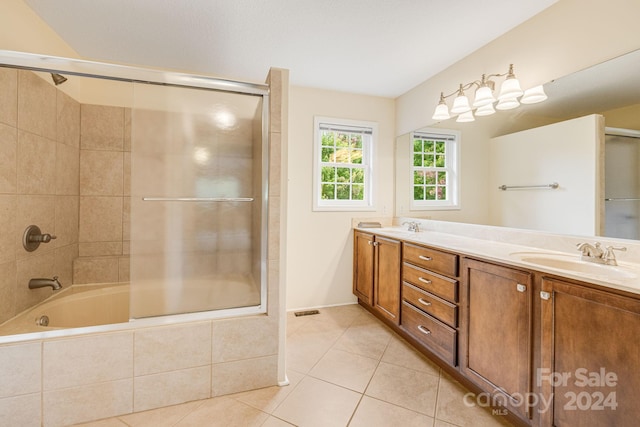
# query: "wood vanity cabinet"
429,310
590,368
376,273
496,332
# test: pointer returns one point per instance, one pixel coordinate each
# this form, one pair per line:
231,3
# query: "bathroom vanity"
544,338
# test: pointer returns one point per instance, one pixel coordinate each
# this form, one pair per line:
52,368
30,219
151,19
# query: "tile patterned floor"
345,369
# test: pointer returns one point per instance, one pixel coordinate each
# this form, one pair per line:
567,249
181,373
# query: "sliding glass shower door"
198,197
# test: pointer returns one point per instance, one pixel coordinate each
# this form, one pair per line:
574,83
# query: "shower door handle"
197,199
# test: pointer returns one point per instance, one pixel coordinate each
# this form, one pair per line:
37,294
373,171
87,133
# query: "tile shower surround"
61,381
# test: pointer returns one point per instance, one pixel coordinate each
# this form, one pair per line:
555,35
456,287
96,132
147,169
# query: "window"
434,171
342,178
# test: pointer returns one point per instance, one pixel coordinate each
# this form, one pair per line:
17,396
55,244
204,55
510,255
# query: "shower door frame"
130,74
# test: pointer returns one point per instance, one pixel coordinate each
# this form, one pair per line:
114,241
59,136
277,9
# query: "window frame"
368,155
452,167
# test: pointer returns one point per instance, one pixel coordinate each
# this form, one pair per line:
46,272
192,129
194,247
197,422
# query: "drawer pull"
423,280
424,330
425,258
423,302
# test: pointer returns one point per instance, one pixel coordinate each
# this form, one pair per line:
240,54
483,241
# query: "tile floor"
345,369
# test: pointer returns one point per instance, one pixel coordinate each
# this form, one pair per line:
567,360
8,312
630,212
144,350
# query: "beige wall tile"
23,411
243,338
36,105
85,403
127,174
96,249
243,375
95,270
68,113
124,267
96,358
66,220
100,219
7,290
127,129
42,265
171,388
101,173
9,98
273,251
34,210
8,211
275,164
64,257
170,348
20,369
36,164
8,158
67,170
126,218
101,127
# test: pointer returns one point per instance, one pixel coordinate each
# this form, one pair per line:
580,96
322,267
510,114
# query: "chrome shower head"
58,78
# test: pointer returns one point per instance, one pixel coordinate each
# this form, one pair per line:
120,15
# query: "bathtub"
81,306
74,307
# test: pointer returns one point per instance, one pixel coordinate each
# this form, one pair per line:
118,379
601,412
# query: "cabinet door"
590,356
496,332
363,258
386,297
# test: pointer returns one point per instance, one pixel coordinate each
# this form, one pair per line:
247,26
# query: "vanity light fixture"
484,99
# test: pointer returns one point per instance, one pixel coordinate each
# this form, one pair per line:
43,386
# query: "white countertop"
507,253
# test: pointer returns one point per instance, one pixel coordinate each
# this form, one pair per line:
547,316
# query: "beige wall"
319,244
39,168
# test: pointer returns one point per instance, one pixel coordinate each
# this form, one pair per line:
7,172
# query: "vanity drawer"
438,285
431,304
431,259
435,335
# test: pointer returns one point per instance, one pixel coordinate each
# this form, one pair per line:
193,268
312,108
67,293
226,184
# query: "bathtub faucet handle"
33,237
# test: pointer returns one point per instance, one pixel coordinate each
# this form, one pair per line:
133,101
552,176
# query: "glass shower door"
197,200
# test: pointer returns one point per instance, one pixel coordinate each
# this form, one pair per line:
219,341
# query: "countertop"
511,254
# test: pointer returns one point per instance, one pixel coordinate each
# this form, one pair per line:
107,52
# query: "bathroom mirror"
611,89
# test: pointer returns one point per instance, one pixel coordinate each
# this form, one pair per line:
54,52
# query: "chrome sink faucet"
594,253
43,283
412,226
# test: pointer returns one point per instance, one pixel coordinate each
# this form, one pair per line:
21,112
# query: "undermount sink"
573,263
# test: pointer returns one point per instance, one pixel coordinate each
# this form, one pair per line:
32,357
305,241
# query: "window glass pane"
417,160
342,140
418,177
430,193
428,146
356,141
328,154
328,174
356,157
357,176
327,139
418,192
344,175
430,178
357,192
328,191
343,191
440,147
428,160
442,178
440,161
417,146
442,193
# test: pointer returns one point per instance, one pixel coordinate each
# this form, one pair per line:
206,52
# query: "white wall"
566,153
319,244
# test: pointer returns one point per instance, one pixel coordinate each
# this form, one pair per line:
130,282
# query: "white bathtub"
74,307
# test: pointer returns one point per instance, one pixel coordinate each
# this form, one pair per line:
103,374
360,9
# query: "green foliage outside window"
429,174
342,171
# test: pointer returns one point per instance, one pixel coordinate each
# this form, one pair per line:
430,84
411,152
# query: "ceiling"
374,47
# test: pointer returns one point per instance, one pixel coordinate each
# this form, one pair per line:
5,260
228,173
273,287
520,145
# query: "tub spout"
43,283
